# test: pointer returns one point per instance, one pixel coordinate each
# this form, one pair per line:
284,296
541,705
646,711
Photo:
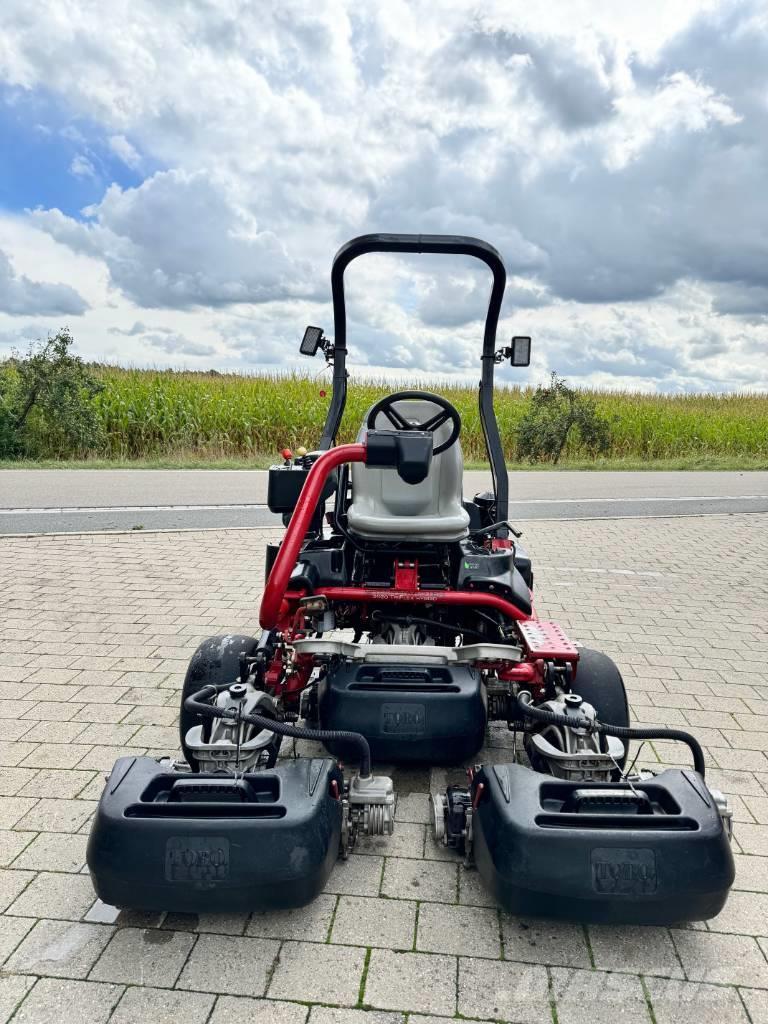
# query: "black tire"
216,660
599,682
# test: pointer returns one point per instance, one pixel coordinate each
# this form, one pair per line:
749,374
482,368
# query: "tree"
46,401
554,413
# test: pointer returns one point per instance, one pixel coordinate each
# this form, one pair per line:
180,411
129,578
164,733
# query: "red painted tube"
463,598
274,592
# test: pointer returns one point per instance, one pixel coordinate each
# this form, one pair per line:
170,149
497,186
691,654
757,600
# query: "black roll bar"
458,245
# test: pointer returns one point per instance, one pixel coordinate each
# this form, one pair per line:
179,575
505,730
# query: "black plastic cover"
407,451
610,861
429,714
493,572
284,486
164,840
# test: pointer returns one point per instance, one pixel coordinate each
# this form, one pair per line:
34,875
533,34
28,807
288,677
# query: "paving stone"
313,973
229,964
107,734
13,780
540,940
147,956
756,1002
161,1006
60,949
342,1015
413,807
494,990
310,923
52,851
722,959
107,713
360,921
12,931
52,1001
639,950
411,981
597,997
137,602
744,913
12,753
472,892
12,843
55,755
12,808
222,924
54,731
12,883
237,1010
56,896
420,880
407,841
12,991
57,783
751,873
57,815
686,1002
752,839
463,931
418,1018
356,876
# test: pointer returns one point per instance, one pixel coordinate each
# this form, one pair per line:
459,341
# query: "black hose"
324,735
620,731
195,704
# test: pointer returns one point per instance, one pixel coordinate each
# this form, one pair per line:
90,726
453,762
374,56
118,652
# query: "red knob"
287,454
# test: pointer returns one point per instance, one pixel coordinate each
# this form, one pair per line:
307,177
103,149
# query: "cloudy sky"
175,178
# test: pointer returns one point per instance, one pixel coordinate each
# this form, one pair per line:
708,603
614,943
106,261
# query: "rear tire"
216,661
599,682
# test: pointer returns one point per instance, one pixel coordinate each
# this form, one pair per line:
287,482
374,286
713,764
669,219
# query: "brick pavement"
95,635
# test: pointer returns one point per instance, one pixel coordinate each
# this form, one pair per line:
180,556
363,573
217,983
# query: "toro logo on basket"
624,872
403,719
192,859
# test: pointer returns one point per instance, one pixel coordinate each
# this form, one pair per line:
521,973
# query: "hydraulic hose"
197,704
620,731
333,735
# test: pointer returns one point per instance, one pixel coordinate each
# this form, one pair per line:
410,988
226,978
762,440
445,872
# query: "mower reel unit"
394,628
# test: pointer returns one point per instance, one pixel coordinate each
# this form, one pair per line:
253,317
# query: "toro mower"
397,621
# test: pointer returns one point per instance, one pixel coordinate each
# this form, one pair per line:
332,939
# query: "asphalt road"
73,501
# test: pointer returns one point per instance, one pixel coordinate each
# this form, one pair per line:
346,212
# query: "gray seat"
384,507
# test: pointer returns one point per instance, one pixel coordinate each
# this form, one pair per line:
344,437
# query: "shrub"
46,402
557,413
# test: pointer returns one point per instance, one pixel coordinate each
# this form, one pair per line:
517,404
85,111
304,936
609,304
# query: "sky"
175,179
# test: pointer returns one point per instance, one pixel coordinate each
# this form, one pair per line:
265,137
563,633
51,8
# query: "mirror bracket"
313,340
518,353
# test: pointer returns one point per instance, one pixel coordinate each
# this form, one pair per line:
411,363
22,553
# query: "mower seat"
384,507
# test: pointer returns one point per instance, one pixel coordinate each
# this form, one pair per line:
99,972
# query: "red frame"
280,607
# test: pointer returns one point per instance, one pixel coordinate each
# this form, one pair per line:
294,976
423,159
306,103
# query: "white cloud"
615,153
180,240
127,153
21,296
81,167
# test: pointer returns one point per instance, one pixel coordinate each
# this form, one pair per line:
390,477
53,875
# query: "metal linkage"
368,809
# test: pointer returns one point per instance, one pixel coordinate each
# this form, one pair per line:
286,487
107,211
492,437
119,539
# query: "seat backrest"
383,505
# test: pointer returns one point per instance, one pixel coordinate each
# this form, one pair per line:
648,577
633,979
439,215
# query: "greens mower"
396,626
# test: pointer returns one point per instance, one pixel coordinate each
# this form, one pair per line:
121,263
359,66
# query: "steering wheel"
447,412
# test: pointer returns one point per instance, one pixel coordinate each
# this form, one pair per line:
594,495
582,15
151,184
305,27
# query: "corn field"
148,414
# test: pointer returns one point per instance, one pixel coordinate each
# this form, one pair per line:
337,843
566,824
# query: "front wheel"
216,661
598,681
